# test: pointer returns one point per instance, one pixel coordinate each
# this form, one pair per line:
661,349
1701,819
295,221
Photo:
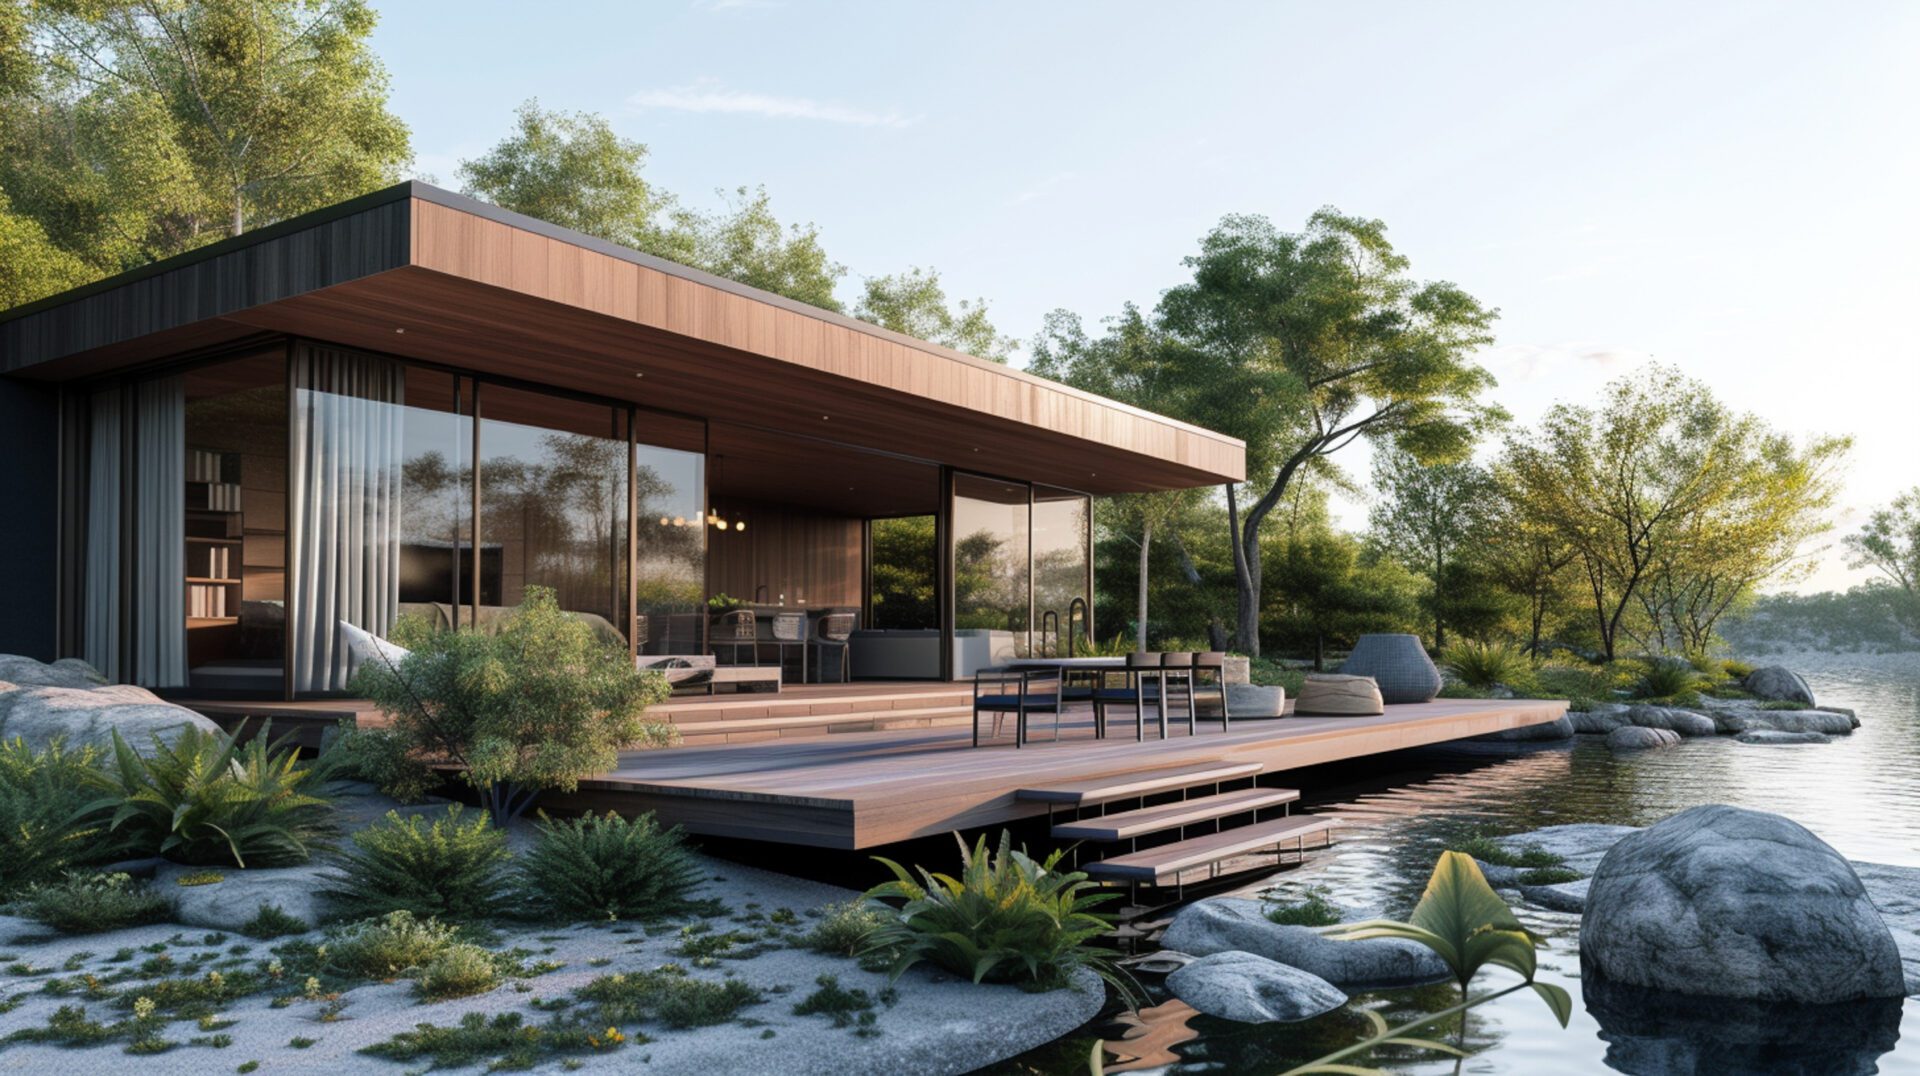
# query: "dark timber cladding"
418,272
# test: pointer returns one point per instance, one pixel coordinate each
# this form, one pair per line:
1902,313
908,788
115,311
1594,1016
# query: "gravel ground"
938,1024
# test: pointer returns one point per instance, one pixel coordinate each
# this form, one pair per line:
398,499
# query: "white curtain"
345,530
101,646
160,514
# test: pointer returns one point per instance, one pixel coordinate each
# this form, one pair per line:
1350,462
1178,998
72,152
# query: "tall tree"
145,128
1427,514
571,169
1528,558
1889,543
1327,340
914,303
1677,506
746,242
30,265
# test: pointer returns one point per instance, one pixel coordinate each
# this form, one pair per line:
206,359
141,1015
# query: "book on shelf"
207,600
212,561
203,466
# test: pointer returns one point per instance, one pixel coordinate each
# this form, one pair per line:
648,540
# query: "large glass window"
553,504
670,549
904,574
1061,525
991,591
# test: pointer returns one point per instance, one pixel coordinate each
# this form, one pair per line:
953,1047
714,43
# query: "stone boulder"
1730,903
1756,719
1777,683
1683,722
1230,924
1560,728
88,714
67,672
1635,738
1775,738
1603,718
232,902
1560,897
1252,989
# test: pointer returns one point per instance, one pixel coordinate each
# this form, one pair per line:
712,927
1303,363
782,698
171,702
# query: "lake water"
1861,794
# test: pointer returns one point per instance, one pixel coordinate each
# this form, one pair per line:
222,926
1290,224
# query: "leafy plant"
844,927
1314,911
205,799
608,867
506,1040
271,922
537,705
1007,918
1482,665
388,946
668,995
1466,923
447,867
84,902
841,1005
45,828
1550,876
1667,679
1489,850
460,970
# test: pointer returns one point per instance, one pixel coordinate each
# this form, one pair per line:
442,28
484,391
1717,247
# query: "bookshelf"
215,524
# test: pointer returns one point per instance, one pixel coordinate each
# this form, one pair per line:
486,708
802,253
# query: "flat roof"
424,273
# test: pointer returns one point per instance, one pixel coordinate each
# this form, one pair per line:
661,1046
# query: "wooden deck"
864,789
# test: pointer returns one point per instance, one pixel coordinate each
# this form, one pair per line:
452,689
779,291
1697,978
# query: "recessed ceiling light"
399,330
823,418
637,373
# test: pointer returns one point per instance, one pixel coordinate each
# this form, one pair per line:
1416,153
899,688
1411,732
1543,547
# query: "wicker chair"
789,630
831,633
737,629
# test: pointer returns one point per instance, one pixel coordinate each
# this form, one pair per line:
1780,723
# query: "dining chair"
1213,662
789,630
737,629
1141,668
832,633
1001,690
1176,671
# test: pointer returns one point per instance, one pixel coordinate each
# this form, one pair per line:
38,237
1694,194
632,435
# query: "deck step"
1165,816
1138,783
1163,865
864,719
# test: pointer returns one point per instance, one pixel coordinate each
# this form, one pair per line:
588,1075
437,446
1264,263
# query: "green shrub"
844,927
84,902
449,867
45,827
1006,918
1487,850
387,947
1667,678
538,704
608,867
668,995
1550,876
1482,665
840,1004
206,800
1736,670
460,970
506,1040
271,922
1314,911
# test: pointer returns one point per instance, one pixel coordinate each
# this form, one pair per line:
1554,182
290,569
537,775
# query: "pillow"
364,646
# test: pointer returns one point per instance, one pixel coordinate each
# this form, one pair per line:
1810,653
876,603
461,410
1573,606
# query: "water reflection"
1647,1031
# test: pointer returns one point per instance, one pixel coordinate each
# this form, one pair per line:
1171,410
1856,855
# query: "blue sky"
1732,188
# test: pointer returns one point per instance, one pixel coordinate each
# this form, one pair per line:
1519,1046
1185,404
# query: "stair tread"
1152,864
1165,816
1140,783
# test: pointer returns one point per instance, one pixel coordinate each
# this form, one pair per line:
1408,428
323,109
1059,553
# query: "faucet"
760,594
1076,613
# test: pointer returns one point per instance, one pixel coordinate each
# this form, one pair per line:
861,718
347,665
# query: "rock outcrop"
1635,738
1725,902
1777,683
1230,924
68,701
1252,989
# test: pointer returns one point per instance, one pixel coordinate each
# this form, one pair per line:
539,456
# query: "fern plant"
1667,678
447,867
207,800
607,867
1482,665
84,902
45,827
1007,918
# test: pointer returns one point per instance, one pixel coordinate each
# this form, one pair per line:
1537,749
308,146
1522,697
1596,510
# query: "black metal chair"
1001,690
1214,662
1176,672
1142,667
831,634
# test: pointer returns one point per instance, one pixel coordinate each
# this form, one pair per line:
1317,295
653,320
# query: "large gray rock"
1753,720
1726,902
67,672
1635,738
1560,897
1778,683
1773,738
82,715
1560,728
1252,989
232,902
1230,924
1603,718
1683,722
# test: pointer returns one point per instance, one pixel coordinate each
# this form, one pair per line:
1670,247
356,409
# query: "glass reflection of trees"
904,558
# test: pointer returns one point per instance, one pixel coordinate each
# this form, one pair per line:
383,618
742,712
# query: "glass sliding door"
670,547
553,506
1062,603
992,592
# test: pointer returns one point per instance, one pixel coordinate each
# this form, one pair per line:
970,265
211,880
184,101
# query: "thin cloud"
735,5
1528,362
707,96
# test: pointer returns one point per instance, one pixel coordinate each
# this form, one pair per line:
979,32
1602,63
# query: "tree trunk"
1246,627
1140,624
1439,629
239,213
1319,652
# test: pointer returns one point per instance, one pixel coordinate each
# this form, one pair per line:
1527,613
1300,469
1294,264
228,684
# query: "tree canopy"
914,303
1889,543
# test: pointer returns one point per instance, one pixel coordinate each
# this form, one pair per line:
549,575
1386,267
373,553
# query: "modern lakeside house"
413,403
